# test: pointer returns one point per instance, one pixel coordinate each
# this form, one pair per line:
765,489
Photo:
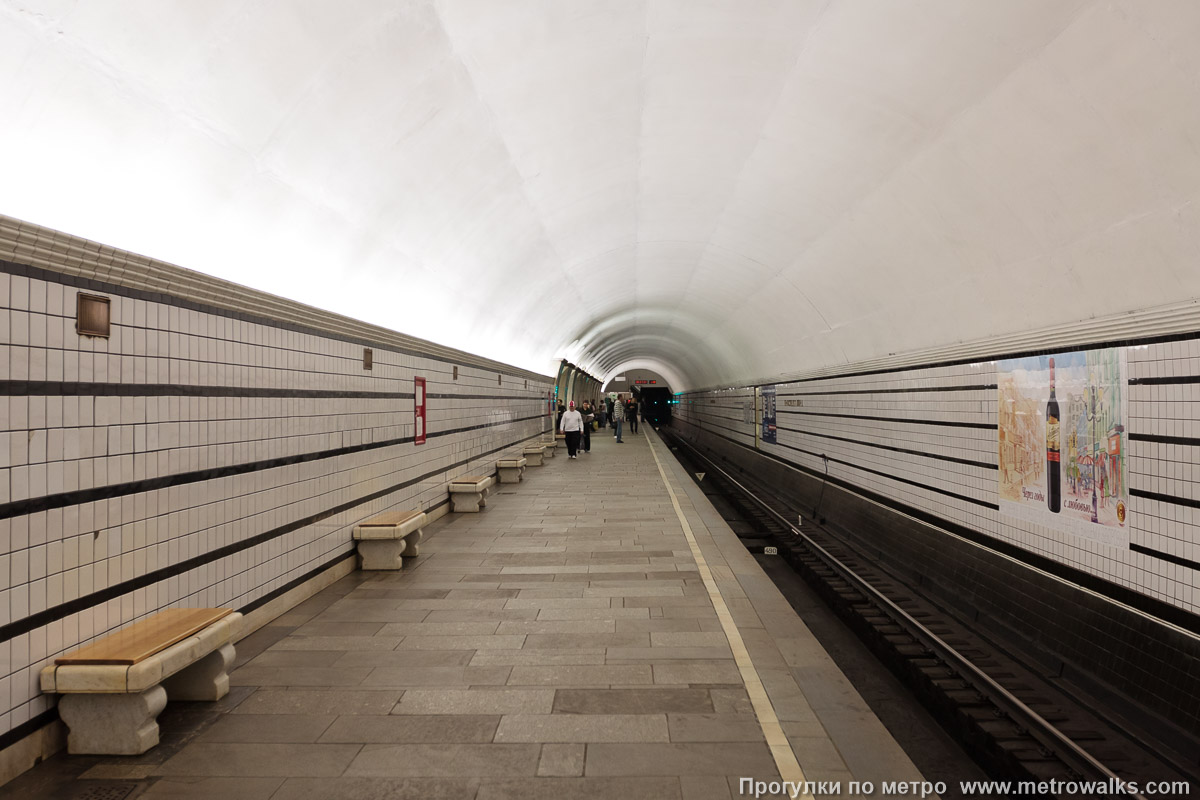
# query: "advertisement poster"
1063,442
768,413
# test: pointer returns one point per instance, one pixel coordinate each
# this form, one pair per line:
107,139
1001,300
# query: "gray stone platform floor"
560,644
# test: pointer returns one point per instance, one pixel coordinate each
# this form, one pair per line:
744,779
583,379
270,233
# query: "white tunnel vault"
731,190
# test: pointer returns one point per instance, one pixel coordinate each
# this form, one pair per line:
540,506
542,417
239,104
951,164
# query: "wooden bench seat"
510,470
533,454
468,493
113,689
384,539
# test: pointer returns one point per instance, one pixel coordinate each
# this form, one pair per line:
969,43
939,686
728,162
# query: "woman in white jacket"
571,426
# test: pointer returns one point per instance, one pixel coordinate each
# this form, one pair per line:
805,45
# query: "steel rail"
997,692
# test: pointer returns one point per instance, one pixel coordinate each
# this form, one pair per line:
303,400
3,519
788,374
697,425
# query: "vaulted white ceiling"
716,189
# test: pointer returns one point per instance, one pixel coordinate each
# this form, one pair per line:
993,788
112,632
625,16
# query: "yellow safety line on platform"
781,749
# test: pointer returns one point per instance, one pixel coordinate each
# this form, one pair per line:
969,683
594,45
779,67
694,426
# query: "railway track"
1014,723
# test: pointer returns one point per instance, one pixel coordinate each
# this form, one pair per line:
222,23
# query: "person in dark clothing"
618,419
588,416
631,413
561,409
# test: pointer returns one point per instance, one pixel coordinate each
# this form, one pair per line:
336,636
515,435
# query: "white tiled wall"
874,459
195,385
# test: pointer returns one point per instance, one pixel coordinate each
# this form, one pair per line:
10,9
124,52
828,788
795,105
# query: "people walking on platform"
618,418
602,413
608,403
588,415
631,412
571,426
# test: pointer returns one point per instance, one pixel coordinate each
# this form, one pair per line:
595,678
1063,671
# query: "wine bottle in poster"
1053,476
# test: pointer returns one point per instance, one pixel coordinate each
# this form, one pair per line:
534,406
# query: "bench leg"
412,544
112,724
381,554
509,474
466,502
533,459
206,680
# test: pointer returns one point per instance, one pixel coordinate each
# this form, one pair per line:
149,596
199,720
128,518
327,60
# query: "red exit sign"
645,382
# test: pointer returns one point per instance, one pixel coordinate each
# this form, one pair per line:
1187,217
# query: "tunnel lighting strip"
1064,743
781,749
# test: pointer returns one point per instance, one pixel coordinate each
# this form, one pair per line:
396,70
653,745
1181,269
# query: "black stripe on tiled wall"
1165,380
851,464
708,425
952,459
1166,498
49,615
292,584
14,735
971,388
71,388
63,499
1156,439
92,285
939,422
1180,560
1145,603
1133,437
287,587
444,396
78,388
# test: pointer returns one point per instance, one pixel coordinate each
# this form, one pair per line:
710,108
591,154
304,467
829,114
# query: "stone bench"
113,690
469,493
533,454
510,470
384,540
549,448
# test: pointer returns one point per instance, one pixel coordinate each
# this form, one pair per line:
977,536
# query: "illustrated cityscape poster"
1087,448
768,433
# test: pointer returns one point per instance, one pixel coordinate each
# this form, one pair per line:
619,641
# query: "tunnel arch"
755,190
665,370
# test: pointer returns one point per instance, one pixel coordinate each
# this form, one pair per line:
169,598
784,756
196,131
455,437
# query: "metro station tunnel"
605,399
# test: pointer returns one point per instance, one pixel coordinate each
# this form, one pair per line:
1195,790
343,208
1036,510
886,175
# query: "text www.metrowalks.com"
750,787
